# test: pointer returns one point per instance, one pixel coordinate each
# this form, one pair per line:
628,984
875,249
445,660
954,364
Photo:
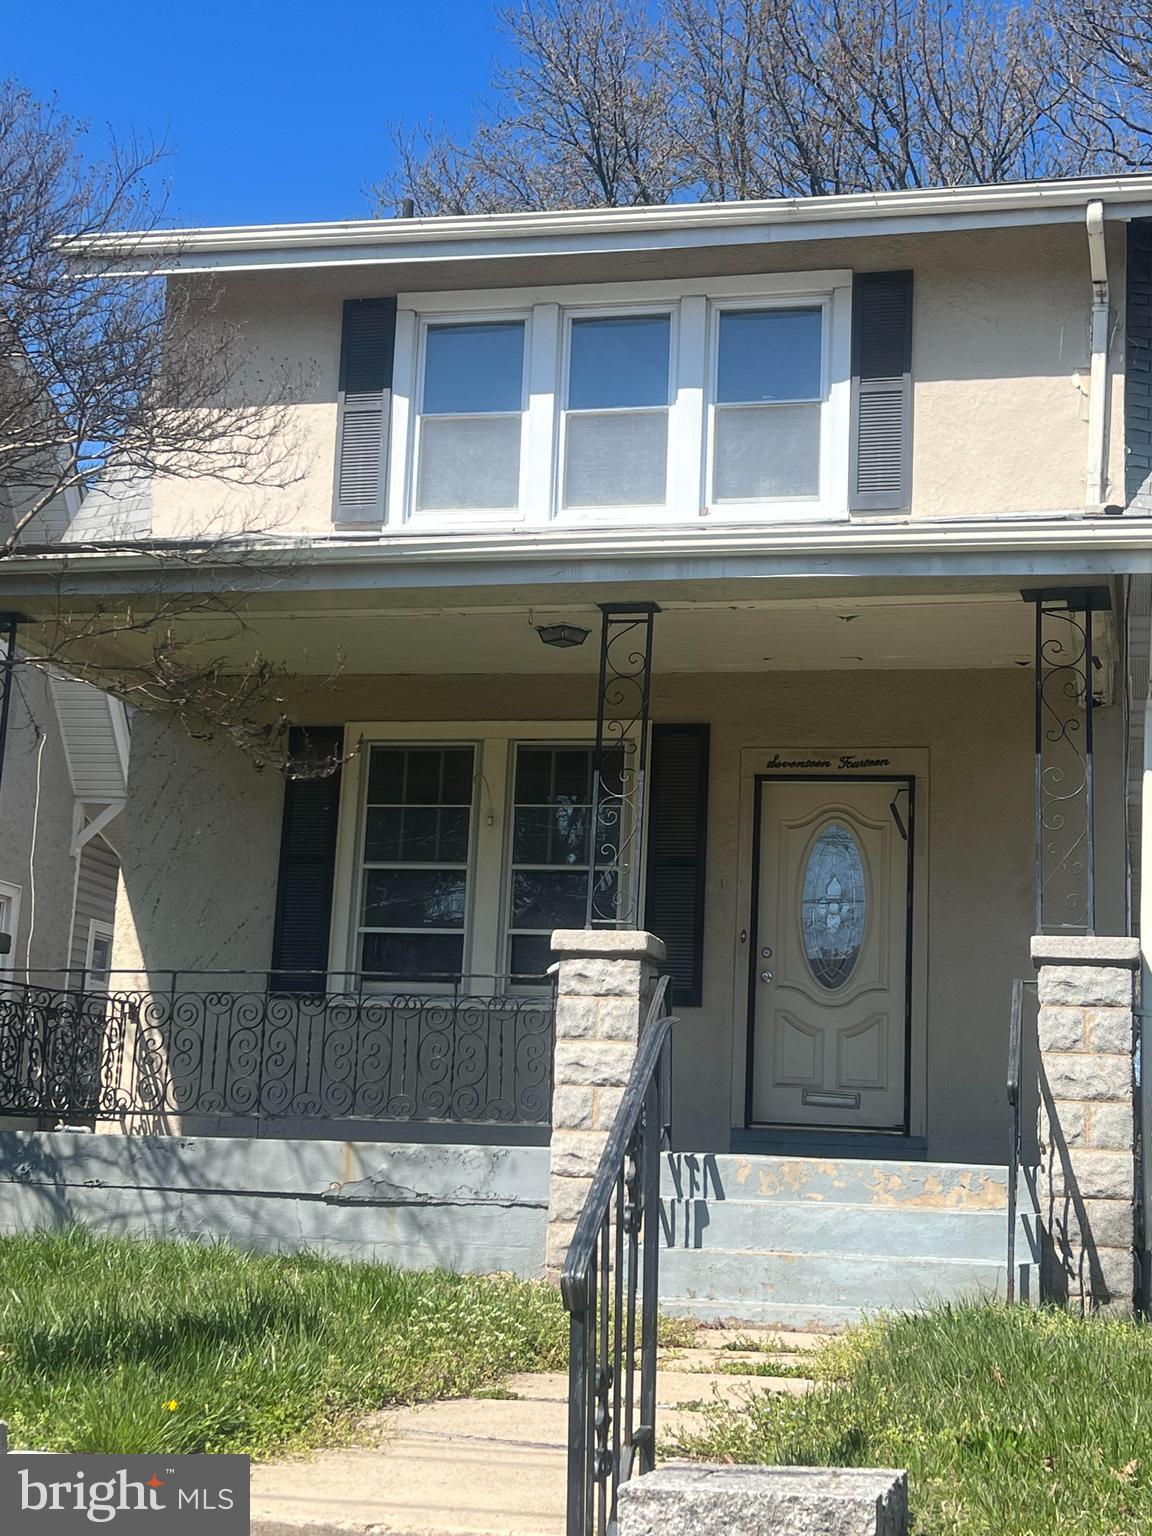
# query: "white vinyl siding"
96,883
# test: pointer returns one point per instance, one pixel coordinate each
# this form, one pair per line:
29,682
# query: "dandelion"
171,1405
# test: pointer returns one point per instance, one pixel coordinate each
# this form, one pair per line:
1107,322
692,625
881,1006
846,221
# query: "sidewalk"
492,1465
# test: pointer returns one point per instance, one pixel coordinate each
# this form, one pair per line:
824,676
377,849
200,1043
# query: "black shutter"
881,460
303,921
677,837
367,345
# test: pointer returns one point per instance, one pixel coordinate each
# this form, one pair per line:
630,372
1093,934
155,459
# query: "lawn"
117,1345
1011,1422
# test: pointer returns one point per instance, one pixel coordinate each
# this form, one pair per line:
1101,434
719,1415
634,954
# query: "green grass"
113,1345
1011,1422
781,1369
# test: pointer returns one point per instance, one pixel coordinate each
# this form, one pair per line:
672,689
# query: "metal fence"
187,1044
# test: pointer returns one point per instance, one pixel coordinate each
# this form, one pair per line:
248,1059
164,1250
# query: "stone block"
573,1108
1086,986
557,1243
615,943
1071,1123
1085,949
577,1018
678,1500
1109,1029
600,978
593,1063
619,1019
1091,1078
1111,1126
1094,1175
1092,1224
576,1154
607,1103
1061,1029
566,1197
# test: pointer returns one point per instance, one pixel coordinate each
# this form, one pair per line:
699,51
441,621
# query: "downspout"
1096,479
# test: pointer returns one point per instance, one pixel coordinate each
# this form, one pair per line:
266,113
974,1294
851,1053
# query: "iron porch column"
619,764
1065,854
9,622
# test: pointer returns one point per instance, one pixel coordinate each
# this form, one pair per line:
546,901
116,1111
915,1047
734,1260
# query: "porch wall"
202,835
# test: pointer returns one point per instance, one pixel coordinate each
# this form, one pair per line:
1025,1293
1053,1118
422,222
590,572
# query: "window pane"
769,354
534,775
549,898
617,461
415,956
551,835
397,836
530,954
773,450
474,368
420,776
619,361
414,898
472,462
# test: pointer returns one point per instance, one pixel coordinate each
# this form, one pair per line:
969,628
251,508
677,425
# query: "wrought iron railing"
610,1286
1016,1092
189,1044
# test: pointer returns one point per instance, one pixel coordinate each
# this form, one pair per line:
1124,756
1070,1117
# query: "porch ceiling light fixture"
563,636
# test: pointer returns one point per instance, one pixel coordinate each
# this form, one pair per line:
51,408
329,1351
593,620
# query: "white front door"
830,985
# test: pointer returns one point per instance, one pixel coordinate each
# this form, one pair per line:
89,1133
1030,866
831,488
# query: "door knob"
765,975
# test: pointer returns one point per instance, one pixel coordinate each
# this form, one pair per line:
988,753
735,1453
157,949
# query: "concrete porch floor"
492,1465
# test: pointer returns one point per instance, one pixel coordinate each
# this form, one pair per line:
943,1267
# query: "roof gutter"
1096,480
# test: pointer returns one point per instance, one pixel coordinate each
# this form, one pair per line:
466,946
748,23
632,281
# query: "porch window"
616,417
768,394
471,416
416,861
548,868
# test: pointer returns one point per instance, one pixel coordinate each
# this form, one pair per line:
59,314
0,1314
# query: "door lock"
765,975
766,952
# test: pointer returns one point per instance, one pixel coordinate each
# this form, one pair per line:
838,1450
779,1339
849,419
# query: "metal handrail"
1015,1066
621,1212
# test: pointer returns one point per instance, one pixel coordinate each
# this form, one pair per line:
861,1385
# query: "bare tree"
729,99
1105,61
580,119
113,377
106,372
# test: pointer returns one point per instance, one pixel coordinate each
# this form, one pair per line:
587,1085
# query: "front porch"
825,806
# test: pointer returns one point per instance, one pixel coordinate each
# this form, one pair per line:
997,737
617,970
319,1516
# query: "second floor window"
616,422
769,388
471,417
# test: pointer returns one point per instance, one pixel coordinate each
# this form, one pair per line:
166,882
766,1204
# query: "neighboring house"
830,516
62,791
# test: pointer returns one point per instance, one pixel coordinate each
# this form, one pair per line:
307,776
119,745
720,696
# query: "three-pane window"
766,419
616,421
471,416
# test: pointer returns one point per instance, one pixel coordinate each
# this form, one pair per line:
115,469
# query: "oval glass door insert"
833,906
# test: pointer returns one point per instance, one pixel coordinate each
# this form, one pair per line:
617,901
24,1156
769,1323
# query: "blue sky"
272,111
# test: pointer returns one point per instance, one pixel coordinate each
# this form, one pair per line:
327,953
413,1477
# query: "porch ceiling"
814,635
703,626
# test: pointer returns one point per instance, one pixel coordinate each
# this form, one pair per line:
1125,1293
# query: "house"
773,577
62,785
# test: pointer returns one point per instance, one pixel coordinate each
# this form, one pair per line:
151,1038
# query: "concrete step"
796,1227
822,1180
742,1283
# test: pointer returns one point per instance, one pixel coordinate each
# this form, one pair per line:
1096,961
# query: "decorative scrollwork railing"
473,1049
610,1286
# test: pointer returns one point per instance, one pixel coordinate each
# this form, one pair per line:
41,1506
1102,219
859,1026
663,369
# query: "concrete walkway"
493,1465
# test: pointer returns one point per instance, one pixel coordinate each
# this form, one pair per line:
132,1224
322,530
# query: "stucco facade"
202,837
999,367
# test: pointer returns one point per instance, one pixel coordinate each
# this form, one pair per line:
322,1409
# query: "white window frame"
482,516
693,304
486,925
754,506
11,894
645,511
96,931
